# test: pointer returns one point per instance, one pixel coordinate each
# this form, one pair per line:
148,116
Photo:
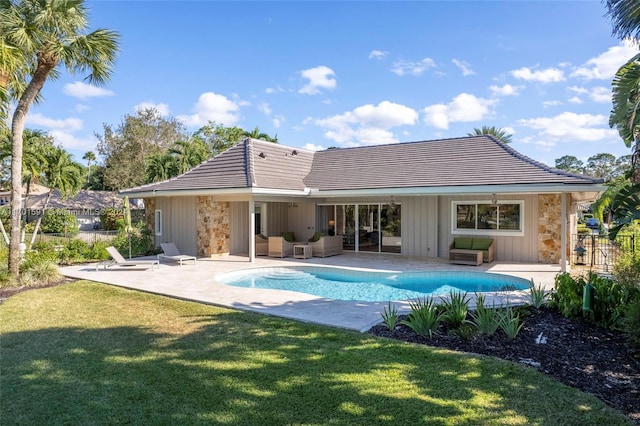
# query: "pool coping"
198,283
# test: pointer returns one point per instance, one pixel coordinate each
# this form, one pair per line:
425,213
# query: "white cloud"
70,124
578,90
162,108
378,54
506,90
547,104
605,65
264,108
549,75
575,100
600,95
464,67
414,68
214,107
463,108
569,127
368,124
271,90
82,90
313,147
71,142
321,77
278,120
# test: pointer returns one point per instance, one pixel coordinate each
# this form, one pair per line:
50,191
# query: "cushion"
481,243
316,237
462,243
288,236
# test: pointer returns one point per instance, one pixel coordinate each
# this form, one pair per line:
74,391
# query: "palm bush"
509,322
486,320
537,295
454,308
424,318
390,316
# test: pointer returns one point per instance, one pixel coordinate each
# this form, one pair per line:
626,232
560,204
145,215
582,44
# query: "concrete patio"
198,283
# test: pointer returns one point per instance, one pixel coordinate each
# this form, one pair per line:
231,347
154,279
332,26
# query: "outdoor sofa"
326,245
471,250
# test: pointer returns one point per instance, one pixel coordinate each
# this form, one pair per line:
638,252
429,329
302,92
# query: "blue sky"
321,74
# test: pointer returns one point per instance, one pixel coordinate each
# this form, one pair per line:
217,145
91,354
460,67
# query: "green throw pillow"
288,236
481,243
316,237
462,243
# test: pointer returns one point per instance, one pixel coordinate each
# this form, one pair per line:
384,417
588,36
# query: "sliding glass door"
364,227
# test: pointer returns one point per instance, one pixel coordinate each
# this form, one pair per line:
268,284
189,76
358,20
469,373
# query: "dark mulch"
576,353
6,292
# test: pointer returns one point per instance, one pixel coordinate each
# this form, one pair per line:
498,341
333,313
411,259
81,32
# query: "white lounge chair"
171,252
118,260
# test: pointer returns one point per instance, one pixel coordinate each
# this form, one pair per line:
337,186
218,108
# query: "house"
86,205
407,198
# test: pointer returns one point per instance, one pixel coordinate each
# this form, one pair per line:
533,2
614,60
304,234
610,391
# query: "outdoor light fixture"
332,223
261,155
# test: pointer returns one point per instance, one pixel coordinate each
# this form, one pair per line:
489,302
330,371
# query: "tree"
218,138
626,18
89,156
497,133
601,165
61,173
570,164
256,134
47,33
188,154
160,167
126,147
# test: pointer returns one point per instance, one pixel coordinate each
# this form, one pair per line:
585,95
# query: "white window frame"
493,232
158,222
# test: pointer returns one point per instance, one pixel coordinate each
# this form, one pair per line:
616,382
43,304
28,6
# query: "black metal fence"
598,252
89,237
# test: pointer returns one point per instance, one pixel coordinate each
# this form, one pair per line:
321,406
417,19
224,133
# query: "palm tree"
61,173
497,133
256,134
626,18
89,156
188,154
160,167
46,33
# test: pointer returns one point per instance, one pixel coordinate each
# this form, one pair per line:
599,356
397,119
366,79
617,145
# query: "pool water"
368,286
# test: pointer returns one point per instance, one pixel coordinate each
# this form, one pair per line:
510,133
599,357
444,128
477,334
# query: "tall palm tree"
47,33
160,167
499,134
61,173
89,156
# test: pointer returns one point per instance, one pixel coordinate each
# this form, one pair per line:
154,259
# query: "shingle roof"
467,161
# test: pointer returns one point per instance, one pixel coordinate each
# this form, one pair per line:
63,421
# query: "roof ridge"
512,151
248,161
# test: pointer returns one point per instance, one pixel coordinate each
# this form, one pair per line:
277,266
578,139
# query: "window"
158,223
482,217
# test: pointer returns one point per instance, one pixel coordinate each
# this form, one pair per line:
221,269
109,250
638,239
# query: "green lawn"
86,353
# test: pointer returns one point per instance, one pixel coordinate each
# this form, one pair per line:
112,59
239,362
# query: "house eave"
216,192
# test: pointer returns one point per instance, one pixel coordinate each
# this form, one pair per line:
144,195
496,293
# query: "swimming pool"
370,286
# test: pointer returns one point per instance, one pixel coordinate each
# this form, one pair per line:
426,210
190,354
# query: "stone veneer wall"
150,217
550,228
213,228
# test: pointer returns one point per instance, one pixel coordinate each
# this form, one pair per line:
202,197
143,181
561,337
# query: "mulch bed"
576,353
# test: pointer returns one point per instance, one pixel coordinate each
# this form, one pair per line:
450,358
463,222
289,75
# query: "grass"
85,353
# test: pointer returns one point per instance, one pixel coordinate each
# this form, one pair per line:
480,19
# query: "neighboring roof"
249,164
458,162
82,201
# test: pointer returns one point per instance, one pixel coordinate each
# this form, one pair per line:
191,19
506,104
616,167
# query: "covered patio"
199,284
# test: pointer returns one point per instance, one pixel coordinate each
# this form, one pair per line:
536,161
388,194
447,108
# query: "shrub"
486,320
140,240
626,271
74,251
537,295
423,318
56,221
38,273
98,251
109,218
509,322
632,323
390,316
567,297
454,308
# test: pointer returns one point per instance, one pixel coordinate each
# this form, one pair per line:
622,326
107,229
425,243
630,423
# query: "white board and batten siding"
178,223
